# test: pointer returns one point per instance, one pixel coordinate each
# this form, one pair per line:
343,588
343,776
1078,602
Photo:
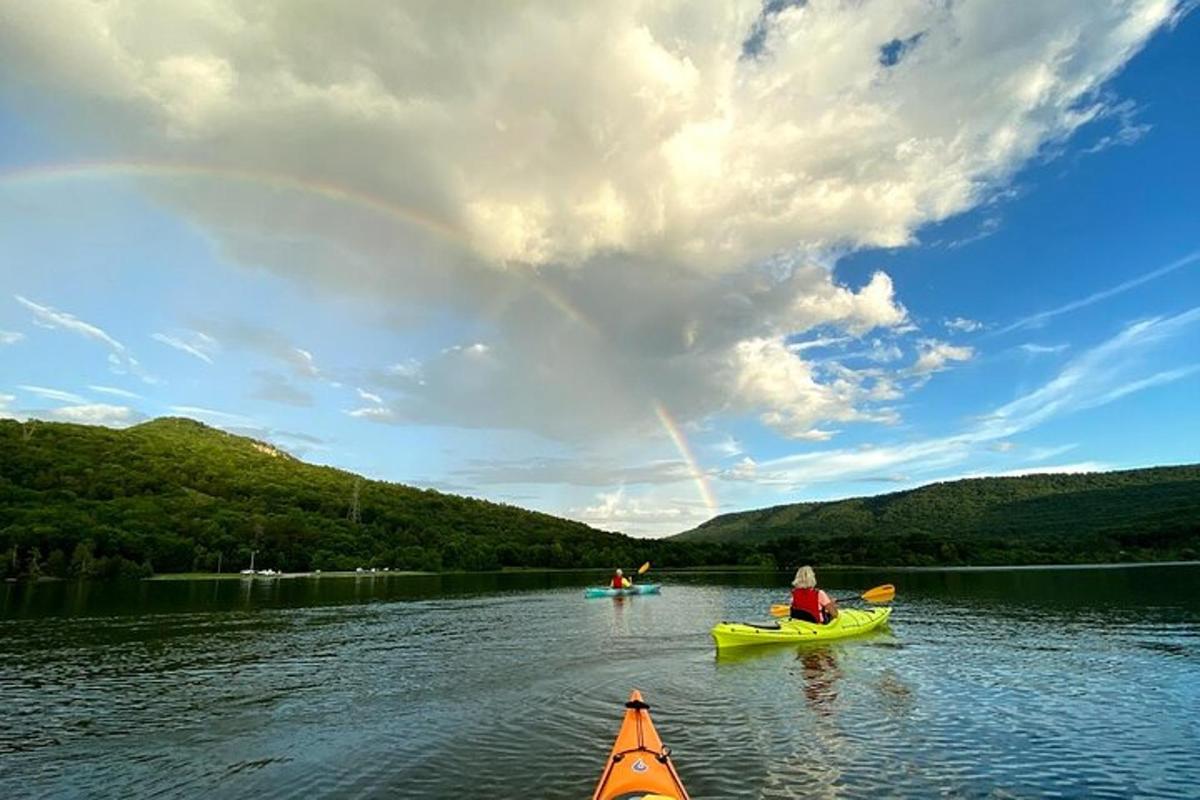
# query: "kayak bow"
849,622
639,766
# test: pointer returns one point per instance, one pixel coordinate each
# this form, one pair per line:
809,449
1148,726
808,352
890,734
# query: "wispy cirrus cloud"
213,417
195,343
115,392
1114,369
10,337
370,397
1040,318
1034,349
962,325
52,394
120,360
49,317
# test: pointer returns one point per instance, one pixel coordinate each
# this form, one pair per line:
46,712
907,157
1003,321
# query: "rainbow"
699,477
337,193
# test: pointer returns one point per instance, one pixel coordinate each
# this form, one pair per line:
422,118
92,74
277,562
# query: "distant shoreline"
341,574
227,576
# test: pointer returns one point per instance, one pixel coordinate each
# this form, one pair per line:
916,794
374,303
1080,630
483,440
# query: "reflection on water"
821,673
1022,683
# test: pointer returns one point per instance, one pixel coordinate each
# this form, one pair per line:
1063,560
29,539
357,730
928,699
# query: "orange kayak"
639,766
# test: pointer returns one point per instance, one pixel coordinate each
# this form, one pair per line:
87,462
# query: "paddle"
880,594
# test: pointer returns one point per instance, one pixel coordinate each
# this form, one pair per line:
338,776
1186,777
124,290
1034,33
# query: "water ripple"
518,694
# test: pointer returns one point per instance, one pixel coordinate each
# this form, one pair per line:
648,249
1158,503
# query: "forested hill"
176,495
1154,510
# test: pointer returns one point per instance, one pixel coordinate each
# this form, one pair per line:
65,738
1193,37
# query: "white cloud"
218,418
120,360
53,318
716,158
370,397
115,392
772,379
728,447
303,361
1046,453
963,325
1108,372
1034,349
10,337
628,195
589,470
52,394
96,414
194,343
934,356
374,413
614,508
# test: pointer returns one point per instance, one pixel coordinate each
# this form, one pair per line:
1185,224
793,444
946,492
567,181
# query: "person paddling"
619,581
808,602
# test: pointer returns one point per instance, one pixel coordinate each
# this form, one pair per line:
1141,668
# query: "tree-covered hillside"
1143,513
176,495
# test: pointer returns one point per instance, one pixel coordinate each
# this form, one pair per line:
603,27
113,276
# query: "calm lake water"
997,684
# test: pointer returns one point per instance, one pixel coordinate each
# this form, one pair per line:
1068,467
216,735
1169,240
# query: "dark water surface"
998,684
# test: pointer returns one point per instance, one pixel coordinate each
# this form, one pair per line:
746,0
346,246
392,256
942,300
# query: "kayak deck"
849,622
608,591
639,766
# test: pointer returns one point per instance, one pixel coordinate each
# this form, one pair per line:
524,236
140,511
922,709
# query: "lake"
989,683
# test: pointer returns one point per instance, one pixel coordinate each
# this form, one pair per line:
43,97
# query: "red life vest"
618,582
808,601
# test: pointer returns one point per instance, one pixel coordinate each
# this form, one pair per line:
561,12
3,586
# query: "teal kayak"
608,591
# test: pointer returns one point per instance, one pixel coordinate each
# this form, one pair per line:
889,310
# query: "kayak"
608,591
639,766
849,622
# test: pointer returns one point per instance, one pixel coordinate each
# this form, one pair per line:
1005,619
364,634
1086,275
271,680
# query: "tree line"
174,495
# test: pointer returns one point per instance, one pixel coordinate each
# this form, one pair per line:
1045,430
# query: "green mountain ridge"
173,494
1155,509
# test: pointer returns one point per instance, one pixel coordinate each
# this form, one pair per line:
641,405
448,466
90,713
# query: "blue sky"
668,280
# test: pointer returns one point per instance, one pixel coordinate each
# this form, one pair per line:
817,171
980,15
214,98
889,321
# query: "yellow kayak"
849,622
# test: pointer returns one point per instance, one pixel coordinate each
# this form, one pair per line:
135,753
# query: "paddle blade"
643,568
880,594
780,610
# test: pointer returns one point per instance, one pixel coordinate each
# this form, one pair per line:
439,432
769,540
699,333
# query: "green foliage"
178,496
1134,515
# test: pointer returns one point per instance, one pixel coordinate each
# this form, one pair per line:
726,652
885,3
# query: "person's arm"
828,604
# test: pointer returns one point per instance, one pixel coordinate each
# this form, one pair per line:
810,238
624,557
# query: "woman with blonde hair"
808,602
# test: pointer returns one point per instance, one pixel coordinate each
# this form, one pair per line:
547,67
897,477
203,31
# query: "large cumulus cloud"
631,201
